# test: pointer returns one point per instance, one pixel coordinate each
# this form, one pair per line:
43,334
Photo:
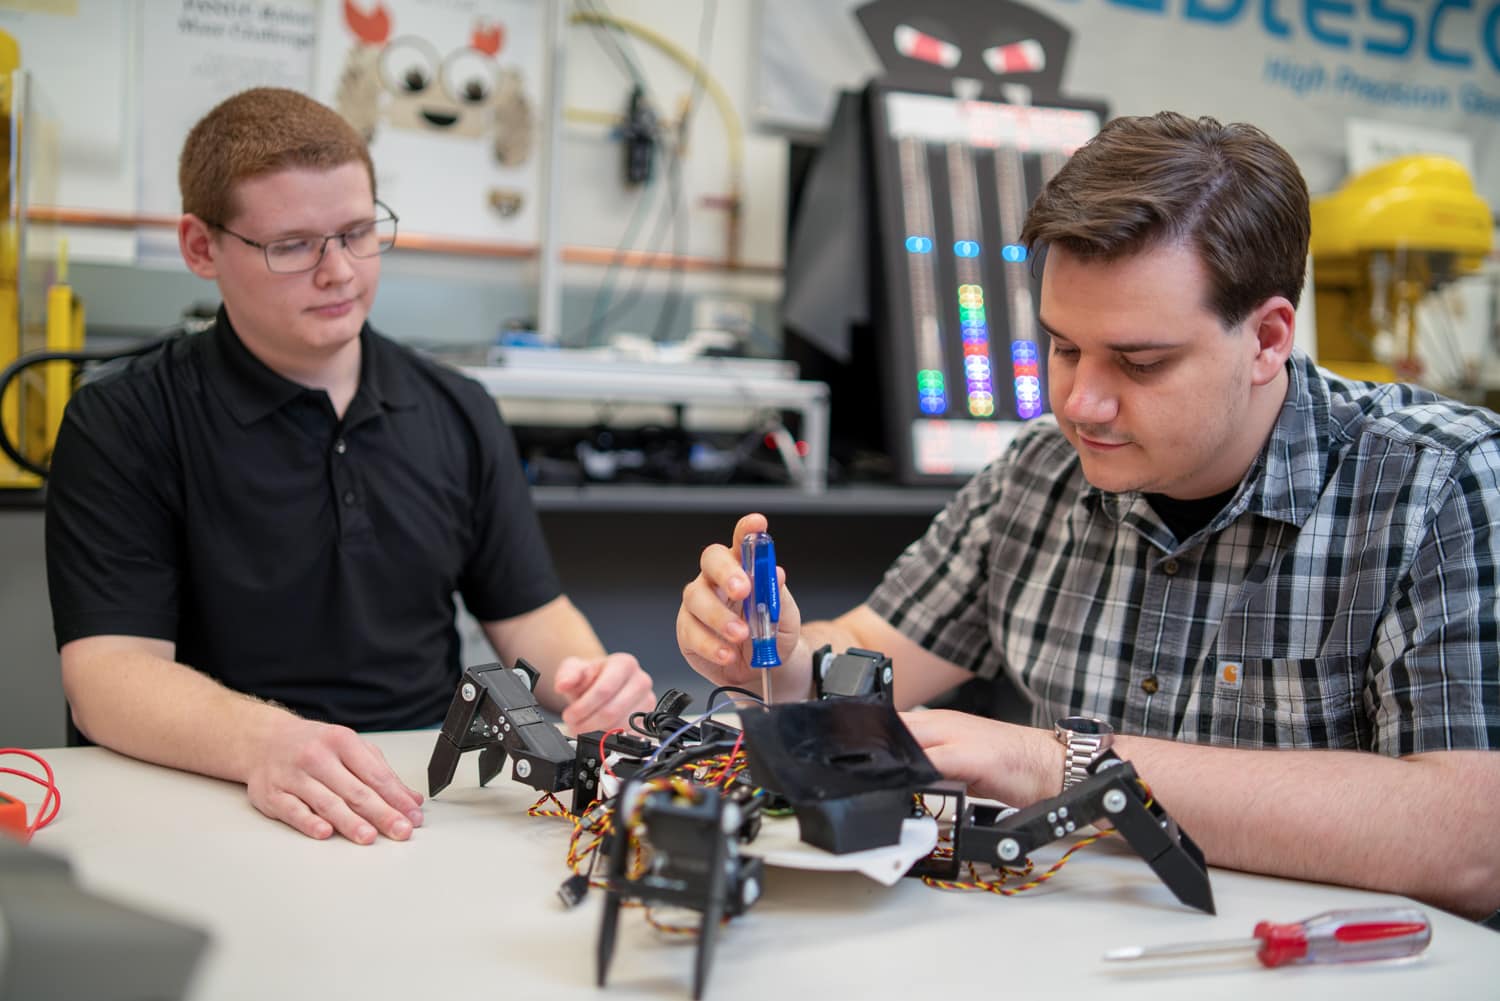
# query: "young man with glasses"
1274,588
254,534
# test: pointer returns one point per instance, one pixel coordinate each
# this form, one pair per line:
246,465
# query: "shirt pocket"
1310,702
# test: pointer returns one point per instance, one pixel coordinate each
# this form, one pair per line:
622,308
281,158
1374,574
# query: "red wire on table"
51,801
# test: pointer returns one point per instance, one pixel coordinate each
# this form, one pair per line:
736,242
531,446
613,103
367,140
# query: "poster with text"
194,54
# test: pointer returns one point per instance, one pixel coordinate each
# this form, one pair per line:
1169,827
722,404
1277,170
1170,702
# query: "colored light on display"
918,245
931,398
1013,252
976,340
966,248
1027,376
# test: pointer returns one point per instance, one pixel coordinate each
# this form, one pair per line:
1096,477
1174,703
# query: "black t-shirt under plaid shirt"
1345,597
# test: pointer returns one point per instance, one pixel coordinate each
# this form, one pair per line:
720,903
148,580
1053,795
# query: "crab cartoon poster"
448,94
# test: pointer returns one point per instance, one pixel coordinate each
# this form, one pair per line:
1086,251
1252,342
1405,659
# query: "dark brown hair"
1228,191
256,132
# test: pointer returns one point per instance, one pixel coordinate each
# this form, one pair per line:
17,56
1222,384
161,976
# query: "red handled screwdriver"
1331,937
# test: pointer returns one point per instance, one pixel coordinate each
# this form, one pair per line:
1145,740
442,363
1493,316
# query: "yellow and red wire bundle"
597,822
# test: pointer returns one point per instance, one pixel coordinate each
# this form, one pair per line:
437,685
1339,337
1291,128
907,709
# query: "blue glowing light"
966,248
1013,252
918,244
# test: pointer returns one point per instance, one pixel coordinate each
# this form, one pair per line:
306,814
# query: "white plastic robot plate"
779,845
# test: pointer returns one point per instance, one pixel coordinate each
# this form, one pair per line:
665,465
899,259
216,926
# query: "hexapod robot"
673,807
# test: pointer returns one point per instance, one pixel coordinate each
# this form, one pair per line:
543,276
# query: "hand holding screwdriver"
1331,937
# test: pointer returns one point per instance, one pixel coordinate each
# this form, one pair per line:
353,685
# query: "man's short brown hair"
256,132
1228,191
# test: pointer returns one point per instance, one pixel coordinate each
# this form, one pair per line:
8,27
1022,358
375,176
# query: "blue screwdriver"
762,604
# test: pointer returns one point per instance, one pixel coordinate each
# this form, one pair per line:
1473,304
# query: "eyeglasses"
294,254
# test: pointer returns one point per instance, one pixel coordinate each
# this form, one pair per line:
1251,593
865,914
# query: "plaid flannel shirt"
1346,597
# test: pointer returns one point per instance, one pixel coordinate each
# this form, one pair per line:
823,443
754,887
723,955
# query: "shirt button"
1149,685
1169,568
349,498
340,447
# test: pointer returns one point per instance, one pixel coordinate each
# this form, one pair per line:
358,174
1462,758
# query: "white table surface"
467,909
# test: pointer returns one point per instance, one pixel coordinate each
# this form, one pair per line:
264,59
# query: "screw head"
750,892
468,692
887,675
523,767
1114,801
1008,849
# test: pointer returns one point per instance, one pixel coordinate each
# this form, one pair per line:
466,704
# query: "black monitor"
826,307
904,271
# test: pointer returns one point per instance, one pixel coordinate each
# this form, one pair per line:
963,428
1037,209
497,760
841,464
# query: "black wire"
683,757
673,300
19,365
607,33
596,318
637,727
673,214
621,42
637,288
713,696
609,39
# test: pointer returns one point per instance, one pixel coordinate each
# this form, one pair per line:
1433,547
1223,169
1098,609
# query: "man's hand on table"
321,779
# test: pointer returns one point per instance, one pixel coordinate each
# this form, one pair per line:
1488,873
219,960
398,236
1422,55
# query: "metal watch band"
1079,750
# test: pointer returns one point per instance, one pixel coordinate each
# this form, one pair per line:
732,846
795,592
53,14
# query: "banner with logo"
1300,69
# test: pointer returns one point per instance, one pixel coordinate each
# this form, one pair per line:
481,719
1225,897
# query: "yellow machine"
1388,238
31,404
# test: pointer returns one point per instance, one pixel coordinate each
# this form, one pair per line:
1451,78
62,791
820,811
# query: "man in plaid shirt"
1278,588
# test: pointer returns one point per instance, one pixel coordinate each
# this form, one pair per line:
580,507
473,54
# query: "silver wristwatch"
1083,739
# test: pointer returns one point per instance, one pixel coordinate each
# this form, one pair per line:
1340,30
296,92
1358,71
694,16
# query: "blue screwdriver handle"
763,604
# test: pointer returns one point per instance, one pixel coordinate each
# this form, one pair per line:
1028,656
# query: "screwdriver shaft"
1248,945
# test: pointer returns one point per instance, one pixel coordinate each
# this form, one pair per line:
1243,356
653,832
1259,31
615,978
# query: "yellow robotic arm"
1389,237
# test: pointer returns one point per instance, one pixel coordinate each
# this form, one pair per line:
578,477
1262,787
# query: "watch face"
1084,725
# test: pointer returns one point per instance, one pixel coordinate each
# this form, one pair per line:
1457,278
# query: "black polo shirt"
196,496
